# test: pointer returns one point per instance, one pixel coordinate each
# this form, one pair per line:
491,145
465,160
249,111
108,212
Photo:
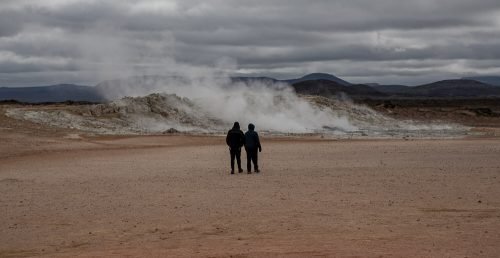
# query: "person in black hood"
235,140
252,144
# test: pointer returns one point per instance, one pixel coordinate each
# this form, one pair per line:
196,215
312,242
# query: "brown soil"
67,194
470,112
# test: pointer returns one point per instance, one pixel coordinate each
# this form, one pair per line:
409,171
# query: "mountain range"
327,88
318,77
443,89
322,84
492,80
52,93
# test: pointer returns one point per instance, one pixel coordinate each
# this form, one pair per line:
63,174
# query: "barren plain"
67,194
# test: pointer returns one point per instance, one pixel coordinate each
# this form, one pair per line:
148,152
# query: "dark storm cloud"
10,24
355,52
361,39
20,67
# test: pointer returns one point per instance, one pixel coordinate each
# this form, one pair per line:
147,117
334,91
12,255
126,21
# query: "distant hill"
457,88
442,89
130,86
392,89
135,86
265,80
309,77
331,88
318,76
493,80
326,85
52,93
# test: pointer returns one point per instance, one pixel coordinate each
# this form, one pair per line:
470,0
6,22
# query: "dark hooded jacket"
252,138
235,137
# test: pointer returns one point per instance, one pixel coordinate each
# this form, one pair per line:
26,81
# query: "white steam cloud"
270,106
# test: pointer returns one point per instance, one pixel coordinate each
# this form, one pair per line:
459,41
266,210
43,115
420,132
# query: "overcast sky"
384,41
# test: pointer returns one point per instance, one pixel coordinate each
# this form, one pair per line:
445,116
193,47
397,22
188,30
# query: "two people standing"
235,139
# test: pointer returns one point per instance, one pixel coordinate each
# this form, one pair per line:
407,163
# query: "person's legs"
249,160
256,161
238,160
233,155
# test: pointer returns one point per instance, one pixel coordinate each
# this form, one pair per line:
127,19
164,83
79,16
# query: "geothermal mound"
372,123
169,113
155,113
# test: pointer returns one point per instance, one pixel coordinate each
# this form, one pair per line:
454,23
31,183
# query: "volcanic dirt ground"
67,194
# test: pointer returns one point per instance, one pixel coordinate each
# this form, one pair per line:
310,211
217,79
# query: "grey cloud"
10,24
300,15
284,38
356,52
16,67
12,63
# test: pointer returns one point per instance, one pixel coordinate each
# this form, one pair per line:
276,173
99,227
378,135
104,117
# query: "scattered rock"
171,131
10,180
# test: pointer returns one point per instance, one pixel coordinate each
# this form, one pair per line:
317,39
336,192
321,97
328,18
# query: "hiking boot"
257,171
249,172
240,170
232,172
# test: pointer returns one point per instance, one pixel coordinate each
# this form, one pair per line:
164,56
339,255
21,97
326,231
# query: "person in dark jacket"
235,139
252,144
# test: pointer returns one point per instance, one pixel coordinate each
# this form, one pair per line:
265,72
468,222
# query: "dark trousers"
235,153
252,156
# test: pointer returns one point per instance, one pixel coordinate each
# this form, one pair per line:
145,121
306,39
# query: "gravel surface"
174,196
